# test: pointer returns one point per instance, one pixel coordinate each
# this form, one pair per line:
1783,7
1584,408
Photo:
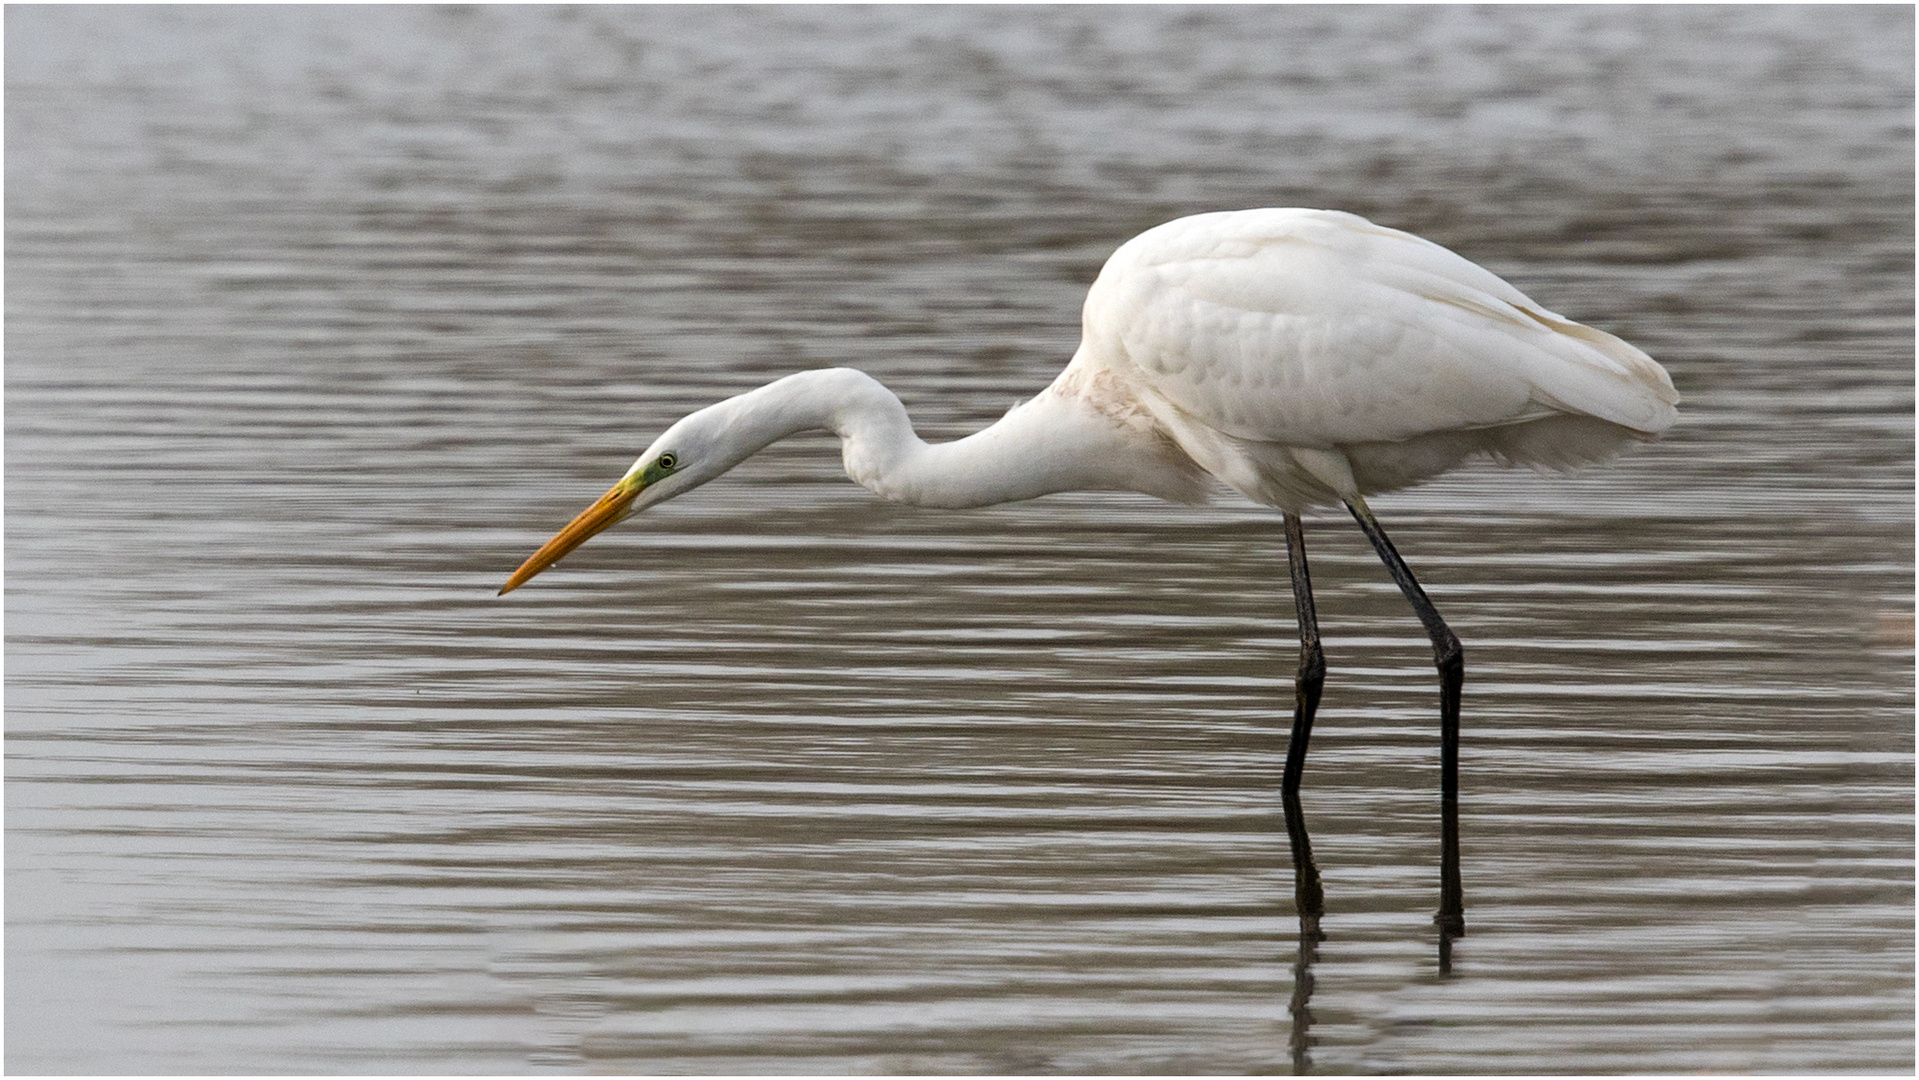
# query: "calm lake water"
319,320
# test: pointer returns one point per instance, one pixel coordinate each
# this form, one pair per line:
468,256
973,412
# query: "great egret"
1300,357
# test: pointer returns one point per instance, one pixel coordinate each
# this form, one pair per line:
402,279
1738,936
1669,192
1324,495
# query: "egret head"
691,452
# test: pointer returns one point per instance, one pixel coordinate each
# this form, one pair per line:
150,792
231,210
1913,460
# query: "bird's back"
1262,341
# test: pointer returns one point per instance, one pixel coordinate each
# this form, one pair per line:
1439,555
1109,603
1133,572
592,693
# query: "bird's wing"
1318,328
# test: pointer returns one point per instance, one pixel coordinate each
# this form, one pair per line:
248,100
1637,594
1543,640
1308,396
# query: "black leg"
1306,689
1308,897
1450,659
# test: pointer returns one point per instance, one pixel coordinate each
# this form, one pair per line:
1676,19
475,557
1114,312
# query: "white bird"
1299,357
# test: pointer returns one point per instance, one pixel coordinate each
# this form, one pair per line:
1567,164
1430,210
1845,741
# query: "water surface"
320,320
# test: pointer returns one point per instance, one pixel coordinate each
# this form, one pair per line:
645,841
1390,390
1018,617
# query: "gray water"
318,321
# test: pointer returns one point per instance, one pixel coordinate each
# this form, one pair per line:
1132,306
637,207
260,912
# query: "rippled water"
320,320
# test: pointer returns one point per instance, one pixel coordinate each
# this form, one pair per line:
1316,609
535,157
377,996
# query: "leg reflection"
1311,903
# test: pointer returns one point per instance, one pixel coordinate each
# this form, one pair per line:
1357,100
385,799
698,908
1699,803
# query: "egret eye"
669,461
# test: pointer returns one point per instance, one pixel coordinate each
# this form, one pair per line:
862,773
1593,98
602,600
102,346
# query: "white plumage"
1300,357
1250,336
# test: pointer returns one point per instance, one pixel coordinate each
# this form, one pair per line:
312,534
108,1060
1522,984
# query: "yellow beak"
611,508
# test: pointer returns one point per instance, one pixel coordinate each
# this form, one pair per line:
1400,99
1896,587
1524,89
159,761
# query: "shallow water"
320,320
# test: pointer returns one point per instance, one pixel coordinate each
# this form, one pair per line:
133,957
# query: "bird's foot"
1452,927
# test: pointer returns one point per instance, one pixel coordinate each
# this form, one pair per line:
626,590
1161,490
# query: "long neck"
1049,444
